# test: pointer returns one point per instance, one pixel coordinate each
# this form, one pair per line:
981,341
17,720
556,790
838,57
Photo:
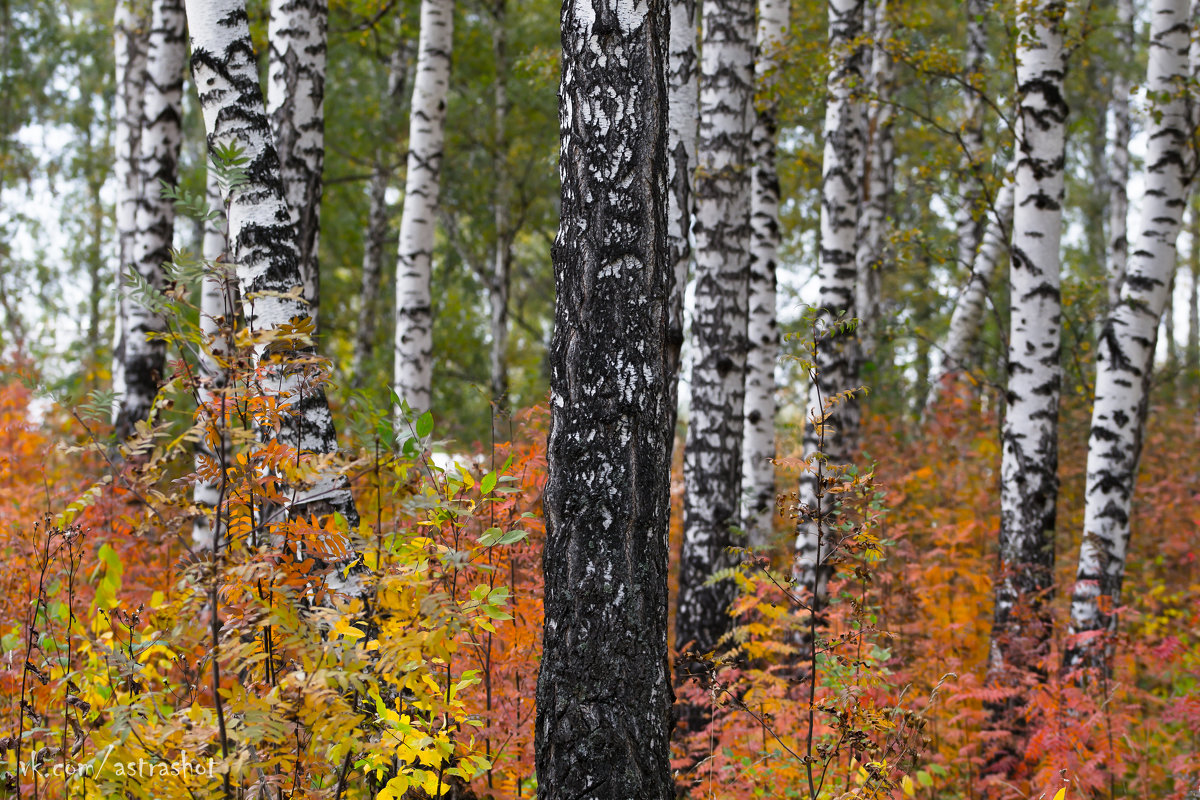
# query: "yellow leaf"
1060,794
907,785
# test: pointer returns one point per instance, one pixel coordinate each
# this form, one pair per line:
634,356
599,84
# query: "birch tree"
296,37
129,57
968,225
966,320
712,465
216,313
502,257
758,471
413,358
144,353
378,220
261,239
683,119
1029,436
877,180
604,694
1125,355
1119,129
837,350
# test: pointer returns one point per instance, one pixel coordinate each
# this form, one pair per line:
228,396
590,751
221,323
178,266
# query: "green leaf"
923,778
488,483
425,424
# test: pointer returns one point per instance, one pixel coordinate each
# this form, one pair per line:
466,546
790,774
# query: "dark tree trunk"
604,694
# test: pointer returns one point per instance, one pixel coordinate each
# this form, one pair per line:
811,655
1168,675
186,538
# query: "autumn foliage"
126,644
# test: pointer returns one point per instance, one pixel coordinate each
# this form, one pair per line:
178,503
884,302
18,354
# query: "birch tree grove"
604,694
837,351
295,104
161,115
758,470
712,465
1029,439
261,238
682,88
413,359
1125,357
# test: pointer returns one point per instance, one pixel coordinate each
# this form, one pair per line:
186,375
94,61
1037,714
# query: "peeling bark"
837,360
712,464
604,695
261,240
1125,355
297,35
758,470
413,365
1029,438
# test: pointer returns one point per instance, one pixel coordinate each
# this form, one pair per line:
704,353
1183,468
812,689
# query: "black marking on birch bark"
604,694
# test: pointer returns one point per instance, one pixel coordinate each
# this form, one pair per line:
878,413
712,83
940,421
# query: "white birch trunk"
378,224
837,354
877,183
758,469
217,300
154,218
712,465
1191,353
297,35
1119,129
502,257
966,321
1029,437
261,239
129,57
682,123
1125,356
968,223
413,370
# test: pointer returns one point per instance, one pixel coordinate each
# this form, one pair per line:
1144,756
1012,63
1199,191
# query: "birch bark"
154,216
413,370
877,182
682,125
1118,155
966,321
297,34
712,465
604,694
129,57
837,353
502,257
378,223
1125,355
758,470
217,311
968,223
261,239
1029,437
